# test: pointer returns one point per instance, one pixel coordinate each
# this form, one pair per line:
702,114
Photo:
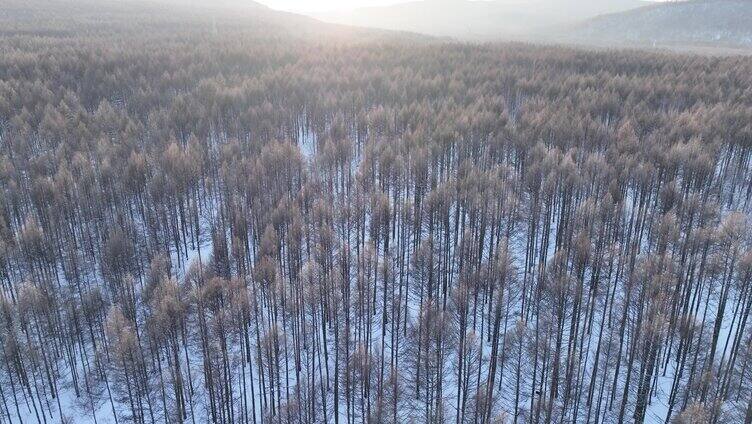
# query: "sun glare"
323,5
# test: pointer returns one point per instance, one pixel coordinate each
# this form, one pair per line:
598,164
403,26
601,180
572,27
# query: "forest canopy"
226,217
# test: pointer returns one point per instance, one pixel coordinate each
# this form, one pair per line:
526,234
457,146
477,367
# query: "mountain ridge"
477,20
722,23
42,17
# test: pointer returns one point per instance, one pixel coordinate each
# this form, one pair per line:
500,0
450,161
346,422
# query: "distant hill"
52,18
479,20
701,23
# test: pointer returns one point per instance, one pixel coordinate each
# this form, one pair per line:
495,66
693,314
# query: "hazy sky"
329,5
324,5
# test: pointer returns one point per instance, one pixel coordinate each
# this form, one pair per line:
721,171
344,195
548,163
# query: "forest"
212,219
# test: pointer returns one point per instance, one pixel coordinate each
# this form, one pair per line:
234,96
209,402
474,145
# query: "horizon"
326,6
319,6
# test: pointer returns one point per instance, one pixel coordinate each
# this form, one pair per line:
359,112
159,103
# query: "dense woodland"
201,222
